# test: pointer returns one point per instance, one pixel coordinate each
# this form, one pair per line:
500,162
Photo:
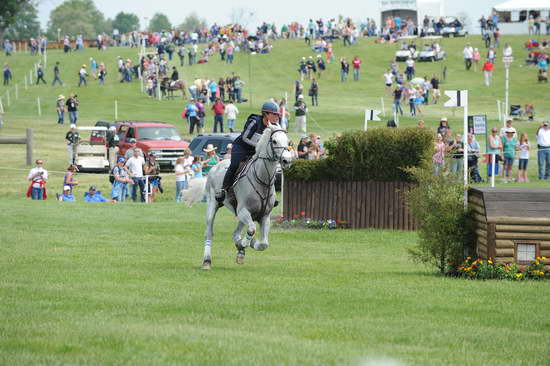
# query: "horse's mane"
264,140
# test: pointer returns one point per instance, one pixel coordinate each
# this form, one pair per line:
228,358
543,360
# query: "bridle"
272,157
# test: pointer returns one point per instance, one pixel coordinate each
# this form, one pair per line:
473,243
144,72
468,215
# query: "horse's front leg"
246,219
238,243
210,216
264,234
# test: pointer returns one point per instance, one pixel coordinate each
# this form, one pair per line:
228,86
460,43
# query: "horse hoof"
240,259
206,266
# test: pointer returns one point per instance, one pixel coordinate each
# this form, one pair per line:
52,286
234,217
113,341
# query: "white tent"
518,5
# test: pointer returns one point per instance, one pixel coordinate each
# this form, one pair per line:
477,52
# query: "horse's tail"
195,193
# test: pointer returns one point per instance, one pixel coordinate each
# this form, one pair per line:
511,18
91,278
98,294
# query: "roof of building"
515,202
512,5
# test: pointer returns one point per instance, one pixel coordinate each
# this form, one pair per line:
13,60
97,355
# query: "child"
524,148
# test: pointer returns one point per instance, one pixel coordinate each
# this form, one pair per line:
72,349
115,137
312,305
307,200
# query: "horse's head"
273,146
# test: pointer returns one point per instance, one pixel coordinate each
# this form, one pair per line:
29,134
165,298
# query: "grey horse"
253,193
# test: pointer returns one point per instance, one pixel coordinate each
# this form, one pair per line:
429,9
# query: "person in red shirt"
356,67
218,108
488,67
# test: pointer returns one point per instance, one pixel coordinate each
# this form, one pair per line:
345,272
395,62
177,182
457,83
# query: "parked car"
161,138
91,156
430,53
99,136
220,141
405,52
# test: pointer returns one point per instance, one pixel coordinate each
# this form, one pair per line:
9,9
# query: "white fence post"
1,106
8,97
25,82
39,108
16,91
30,77
383,107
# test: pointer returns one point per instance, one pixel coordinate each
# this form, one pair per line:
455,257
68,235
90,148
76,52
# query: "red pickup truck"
161,138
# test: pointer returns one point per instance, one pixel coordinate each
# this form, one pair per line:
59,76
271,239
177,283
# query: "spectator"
314,92
409,71
38,177
344,69
135,169
196,167
67,195
181,178
93,195
231,111
201,114
443,127
509,146
468,54
508,126
456,149
228,151
298,89
102,73
303,147
524,148
7,74
488,67
72,137
397,95
494,149
436,93
112,146
473,158
152,170
238,86
388,81
40,74
82,76
60,109
211,159
133,146
218,108
543,153
283,112
69,177
321,66
300,109
356,62
72,107
120,181
438,157
476,57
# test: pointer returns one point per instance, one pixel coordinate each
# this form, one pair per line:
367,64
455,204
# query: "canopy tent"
518,5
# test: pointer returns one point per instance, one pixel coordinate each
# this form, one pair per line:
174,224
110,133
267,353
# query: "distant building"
413,9
513,15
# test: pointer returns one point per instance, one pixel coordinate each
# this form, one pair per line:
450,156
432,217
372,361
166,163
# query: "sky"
280,11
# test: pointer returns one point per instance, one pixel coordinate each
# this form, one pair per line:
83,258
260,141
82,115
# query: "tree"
76,17
126,22
242,16
193,22
9,10
159,22
26,24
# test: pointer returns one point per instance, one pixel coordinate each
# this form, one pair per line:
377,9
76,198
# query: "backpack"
112,175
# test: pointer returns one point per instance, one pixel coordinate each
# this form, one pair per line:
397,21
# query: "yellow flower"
519,275
490,261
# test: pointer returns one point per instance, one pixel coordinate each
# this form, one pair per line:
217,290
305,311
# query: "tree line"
19,20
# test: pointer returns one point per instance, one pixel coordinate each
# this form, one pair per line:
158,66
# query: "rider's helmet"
271,107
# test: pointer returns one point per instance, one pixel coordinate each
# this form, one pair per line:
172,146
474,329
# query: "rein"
271,180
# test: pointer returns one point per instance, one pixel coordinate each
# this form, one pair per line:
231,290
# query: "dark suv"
220,141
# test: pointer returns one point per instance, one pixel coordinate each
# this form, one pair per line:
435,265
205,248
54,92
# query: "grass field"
120,284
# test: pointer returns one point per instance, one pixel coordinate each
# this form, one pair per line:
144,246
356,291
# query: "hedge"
379,154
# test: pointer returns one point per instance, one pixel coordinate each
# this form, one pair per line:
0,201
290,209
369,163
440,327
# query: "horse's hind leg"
210,216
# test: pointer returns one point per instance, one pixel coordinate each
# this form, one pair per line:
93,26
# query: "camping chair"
515,111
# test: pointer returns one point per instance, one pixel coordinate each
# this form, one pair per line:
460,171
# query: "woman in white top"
524,148
231,112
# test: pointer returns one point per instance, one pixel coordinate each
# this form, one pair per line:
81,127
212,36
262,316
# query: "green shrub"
380,154
445,231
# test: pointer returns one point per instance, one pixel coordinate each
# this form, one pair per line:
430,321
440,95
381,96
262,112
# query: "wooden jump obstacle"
512,225
28,140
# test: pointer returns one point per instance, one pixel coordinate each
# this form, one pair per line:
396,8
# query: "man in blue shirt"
93,195
67,195
191,112
244,146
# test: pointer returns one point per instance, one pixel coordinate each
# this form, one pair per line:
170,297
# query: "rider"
244,146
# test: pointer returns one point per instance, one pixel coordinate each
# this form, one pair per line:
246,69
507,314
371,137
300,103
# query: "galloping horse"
253,195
